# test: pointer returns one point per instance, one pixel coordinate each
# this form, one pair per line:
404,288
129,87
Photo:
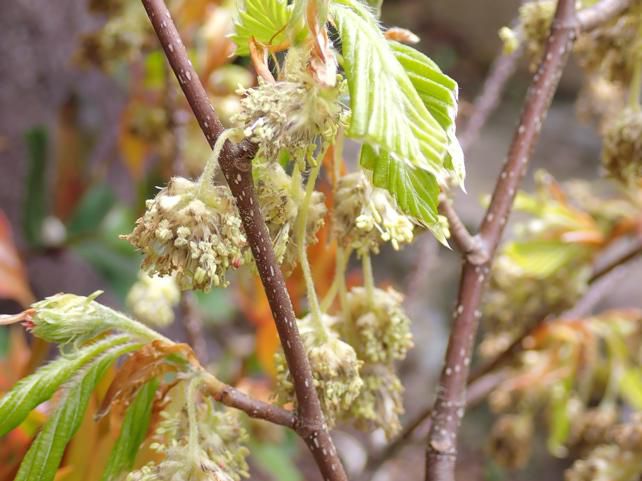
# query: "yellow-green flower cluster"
277,192
192,232
536,18
217,453
290,116
613,49
152,299
380,402
335,369
622,146
377,325
365,216
511,439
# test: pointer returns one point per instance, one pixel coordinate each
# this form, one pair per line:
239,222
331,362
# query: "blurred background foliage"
92,121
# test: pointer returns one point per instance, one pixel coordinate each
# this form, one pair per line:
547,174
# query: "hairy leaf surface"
265,20
43,458
132,432
41,385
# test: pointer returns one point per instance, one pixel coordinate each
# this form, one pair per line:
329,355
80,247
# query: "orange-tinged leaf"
267,343
141,366
133,148
13,277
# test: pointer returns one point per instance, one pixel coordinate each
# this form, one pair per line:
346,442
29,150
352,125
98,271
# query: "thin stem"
368,277
342,259
235,162
192,321
450,402
301,227
603,11
636,80
469,245
212,163
255,408
341,262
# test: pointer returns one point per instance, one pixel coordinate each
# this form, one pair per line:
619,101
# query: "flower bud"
152,299
192,233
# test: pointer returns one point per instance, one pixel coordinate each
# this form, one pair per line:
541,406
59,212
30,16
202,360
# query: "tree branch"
255,408
470,246
450,403
589,18
235,162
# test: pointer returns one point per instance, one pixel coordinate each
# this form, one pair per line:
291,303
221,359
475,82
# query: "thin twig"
255,408
470,246
235,162
589,18
634,250
450,402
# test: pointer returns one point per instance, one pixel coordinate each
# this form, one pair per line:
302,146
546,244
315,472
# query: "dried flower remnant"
377,327
365,216
191,231
335,369
622,148
152,299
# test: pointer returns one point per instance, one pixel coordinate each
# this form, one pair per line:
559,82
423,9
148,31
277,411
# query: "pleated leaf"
41,385
265,20
132,432
43,458
415,190
387,111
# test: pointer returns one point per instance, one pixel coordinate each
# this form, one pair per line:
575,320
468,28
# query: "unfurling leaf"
44,456
41,385
132,432
403,109
263,20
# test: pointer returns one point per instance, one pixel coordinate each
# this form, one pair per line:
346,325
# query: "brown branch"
235,162
255,408
589,18
450,402
470,246
634,250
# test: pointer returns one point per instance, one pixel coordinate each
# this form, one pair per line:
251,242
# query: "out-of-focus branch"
192,321
450,402
235,162
486,102
603,11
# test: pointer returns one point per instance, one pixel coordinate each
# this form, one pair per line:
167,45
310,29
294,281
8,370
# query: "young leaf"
387,111
265,20
132,432
439,94
414,190
542,258
43,458
41,385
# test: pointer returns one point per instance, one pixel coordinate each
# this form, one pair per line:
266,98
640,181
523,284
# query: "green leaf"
631,387
41,385
542,258
439,94
414,190
132,432
387,110
43,458
36,186
265,20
